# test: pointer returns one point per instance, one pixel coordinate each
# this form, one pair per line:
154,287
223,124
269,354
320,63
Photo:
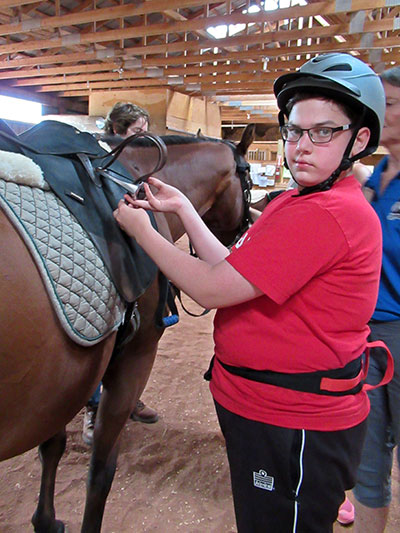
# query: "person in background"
124,119
293,300
373,489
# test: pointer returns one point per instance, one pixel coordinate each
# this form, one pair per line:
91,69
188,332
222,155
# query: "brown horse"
199,157
45,378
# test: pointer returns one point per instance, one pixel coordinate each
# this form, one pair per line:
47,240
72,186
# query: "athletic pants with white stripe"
288,480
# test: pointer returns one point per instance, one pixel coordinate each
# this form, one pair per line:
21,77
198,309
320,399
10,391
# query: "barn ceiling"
68,49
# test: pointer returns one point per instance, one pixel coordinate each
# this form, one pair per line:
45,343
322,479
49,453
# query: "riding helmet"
344,78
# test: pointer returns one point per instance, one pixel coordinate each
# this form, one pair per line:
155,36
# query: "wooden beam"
155,82
97,15
167,6
385,24
252,54
128,72
36,72
16,3
207,90
22,81
57,58
170,48
183,71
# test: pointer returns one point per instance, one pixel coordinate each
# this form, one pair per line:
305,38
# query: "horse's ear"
248,137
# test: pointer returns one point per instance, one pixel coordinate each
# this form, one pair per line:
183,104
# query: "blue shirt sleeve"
374,179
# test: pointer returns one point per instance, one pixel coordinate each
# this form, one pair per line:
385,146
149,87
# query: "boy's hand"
166,199
134,221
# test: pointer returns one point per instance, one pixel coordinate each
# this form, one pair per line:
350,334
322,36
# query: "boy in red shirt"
294,297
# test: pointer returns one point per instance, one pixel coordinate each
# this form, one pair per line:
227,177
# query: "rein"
115,153
177,293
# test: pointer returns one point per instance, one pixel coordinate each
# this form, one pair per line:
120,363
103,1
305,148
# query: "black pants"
288,480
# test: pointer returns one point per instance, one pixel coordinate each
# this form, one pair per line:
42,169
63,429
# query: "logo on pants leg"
262,480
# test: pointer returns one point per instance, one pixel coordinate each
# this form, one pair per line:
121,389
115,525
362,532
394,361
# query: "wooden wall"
100,104
170,112
190,114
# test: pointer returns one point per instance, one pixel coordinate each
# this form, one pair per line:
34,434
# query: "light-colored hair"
122,115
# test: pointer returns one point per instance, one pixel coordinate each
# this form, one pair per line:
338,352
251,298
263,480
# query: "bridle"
243,171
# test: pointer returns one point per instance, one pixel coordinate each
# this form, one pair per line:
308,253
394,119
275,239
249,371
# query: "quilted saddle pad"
77,281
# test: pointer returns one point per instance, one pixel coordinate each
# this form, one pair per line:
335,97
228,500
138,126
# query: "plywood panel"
190,114
213,119
170,111
154,101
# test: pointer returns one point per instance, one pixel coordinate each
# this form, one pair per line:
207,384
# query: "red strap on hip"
389,365
340,385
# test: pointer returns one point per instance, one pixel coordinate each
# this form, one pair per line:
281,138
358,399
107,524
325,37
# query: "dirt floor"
171,476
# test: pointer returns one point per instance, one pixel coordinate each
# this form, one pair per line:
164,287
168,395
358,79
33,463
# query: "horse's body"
45,378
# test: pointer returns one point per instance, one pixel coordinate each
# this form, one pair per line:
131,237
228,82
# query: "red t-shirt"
317,260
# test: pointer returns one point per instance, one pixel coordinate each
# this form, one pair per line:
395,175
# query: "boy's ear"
361,141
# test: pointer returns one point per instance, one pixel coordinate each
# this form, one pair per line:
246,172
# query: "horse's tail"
248,136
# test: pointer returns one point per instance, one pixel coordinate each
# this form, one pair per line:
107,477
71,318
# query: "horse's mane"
168,140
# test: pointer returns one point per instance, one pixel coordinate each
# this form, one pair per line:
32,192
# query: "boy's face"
309,163
391,128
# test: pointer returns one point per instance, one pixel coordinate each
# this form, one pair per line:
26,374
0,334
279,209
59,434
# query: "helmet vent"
341,67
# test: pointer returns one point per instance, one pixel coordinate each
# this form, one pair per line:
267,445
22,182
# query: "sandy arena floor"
172,476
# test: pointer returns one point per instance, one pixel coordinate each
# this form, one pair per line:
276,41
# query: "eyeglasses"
317,135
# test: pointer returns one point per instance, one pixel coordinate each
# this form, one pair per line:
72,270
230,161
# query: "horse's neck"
189,168
198,170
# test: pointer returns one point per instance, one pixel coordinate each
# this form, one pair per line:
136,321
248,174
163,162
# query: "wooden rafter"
63,49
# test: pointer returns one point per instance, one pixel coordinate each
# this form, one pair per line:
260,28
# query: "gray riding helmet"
344,78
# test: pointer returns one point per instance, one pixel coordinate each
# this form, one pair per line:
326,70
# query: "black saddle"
68,158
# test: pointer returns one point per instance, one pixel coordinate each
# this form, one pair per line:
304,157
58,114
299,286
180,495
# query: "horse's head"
229,217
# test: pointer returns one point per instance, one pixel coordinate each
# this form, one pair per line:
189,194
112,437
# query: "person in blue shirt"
372,493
